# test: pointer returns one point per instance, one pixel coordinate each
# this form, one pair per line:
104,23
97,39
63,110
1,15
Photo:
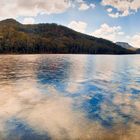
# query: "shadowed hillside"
51,38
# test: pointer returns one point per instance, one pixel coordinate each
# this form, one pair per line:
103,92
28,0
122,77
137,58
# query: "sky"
115,20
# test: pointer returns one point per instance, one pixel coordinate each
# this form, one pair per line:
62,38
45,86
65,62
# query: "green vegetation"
51,38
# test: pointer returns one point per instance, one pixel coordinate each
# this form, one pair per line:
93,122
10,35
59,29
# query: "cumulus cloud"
79,26
28,21
32,7
134,40
84,6
109,10
108,32
123,7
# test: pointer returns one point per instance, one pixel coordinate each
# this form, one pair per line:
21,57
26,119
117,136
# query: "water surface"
69,97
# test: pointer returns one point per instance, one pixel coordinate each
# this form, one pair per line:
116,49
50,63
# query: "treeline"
51,38
138,51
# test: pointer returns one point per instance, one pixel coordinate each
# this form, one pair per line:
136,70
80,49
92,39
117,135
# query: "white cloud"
114,15
28,21
134,40
123,7
84,6
108,32
109,10
92,5
79,26
16,8
115,33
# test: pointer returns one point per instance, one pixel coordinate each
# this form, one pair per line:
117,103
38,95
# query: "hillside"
51,38
125,45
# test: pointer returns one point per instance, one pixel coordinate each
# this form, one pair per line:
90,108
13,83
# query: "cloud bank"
16,8
108,32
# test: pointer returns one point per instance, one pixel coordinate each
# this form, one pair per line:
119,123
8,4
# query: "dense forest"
51,38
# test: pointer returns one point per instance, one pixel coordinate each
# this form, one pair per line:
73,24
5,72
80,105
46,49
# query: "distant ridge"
16,38
125,45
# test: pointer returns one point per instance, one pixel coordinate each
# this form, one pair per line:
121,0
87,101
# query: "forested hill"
51,38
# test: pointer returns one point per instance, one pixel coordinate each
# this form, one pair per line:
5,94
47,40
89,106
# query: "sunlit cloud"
28,21
79,26
134,40
84,6
32,8
108,32
123,7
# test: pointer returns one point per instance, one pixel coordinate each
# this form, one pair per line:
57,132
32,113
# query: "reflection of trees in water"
53,71
13,68
8,68
46,69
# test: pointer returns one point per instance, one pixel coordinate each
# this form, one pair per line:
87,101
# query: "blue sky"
110,19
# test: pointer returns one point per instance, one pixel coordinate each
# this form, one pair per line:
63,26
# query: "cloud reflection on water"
49,110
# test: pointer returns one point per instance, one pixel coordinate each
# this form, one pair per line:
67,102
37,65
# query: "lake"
69,97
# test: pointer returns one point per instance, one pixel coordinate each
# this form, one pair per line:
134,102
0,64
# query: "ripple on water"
69,97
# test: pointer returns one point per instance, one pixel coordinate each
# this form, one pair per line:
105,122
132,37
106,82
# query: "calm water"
69,97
